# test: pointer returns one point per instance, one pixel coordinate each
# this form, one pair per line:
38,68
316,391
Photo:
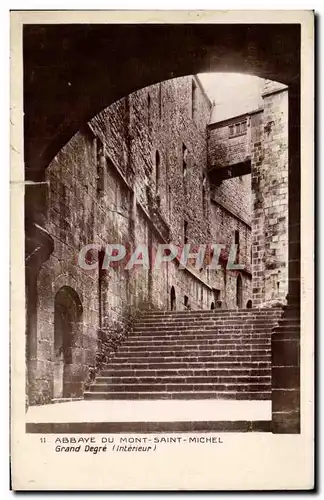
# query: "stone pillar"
269,167
257,185
38,247
285,342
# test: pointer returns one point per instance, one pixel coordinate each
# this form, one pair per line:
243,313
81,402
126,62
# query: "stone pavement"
149,416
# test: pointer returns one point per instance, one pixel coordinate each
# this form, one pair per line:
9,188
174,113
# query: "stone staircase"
220,354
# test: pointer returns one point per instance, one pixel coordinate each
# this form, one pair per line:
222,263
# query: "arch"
212,306
67,335
173,301
265,50
239,291
249,304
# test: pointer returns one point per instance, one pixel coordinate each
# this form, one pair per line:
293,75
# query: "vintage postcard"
162,179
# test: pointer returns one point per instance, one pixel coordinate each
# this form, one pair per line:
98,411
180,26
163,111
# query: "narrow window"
239,292
100,167
204,200
160,100
185,232
193,100
101,275
173,299
237,243
231,130
148,110
186,301
184,161
170,199
157,171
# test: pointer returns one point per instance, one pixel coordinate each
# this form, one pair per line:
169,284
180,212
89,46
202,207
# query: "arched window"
173,299
67,335
249,304
212,306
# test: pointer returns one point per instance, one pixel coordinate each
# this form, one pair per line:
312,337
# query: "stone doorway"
67,325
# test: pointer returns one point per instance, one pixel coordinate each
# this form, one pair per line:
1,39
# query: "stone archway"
265,50
67,331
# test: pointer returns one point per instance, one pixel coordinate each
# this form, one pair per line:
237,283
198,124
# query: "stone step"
178,350
200,337
242,357
211,312
178,387
183,346
208,372
211,323
182,379
222,350
281,328
213,339
211,332
187,395
203,324
193,359
192,315
215,312
264,356
223,363
213,320
165,333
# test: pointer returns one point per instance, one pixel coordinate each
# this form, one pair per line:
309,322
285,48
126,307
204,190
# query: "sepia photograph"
162,199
